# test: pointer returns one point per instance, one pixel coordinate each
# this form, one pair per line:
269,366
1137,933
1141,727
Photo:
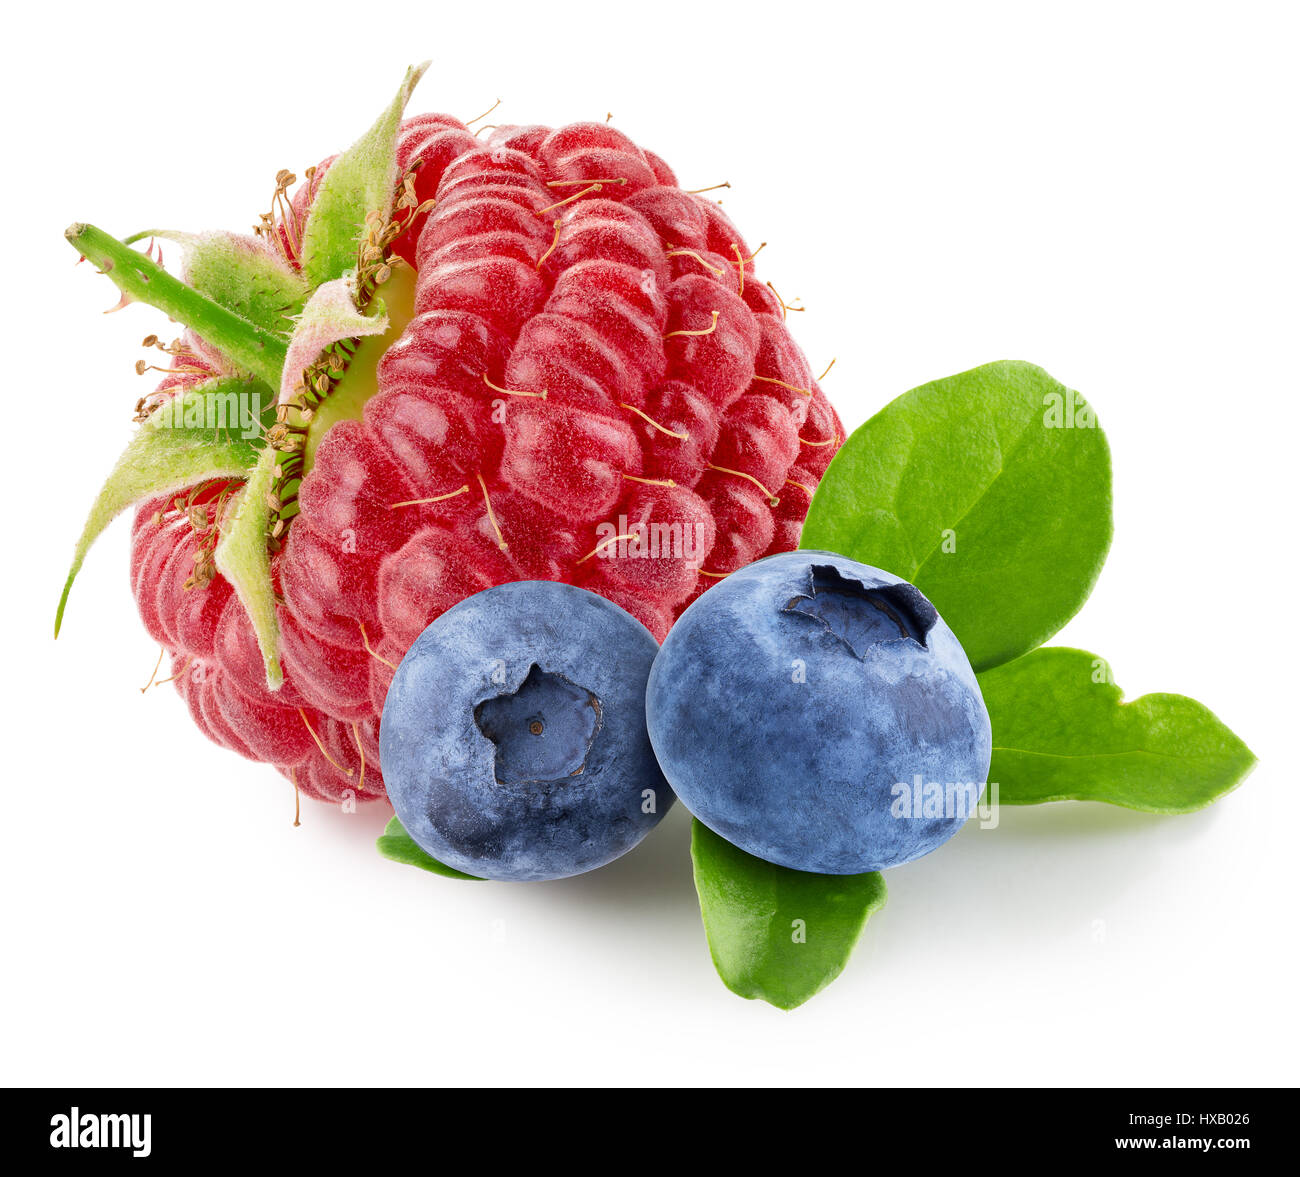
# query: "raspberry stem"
143,280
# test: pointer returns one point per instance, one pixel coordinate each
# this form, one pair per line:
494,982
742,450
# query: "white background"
1106,190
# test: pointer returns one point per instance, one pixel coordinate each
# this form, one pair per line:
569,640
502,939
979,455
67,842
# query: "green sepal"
331,315
397,844
1062,732
777,934
361,181
250,347
246,275
166,456
243,558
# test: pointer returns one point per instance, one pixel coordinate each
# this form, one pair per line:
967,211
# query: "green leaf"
166,456
397,844
243,558
362,180
779,934
244,274
140,279
1062,732
989,491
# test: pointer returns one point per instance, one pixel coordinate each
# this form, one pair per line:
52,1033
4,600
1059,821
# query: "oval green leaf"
990,491
1061,731
777,934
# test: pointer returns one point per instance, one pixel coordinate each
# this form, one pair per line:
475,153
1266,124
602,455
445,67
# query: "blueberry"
819,714
513,739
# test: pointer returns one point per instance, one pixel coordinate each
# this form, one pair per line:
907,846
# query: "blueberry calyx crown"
861,615
543,732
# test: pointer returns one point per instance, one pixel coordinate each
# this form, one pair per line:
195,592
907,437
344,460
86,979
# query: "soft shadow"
656,874
1049,871
1045,871
1071,819
357,830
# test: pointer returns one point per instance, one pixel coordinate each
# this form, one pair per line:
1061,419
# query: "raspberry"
594,387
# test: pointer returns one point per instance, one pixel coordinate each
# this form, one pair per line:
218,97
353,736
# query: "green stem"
141,279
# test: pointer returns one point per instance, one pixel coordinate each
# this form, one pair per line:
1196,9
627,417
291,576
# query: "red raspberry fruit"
593,387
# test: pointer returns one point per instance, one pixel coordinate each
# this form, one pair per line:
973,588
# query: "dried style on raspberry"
442,362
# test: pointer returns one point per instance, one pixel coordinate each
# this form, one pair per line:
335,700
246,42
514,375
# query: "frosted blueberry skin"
803,774
513,738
